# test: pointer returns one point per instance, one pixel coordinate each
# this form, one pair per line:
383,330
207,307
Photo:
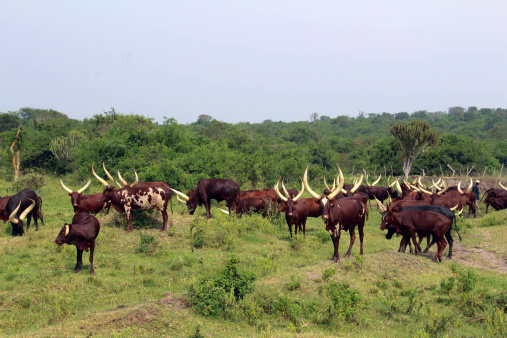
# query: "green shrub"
148,244
294,284
288,308
342,304
209,296
328,273
323,236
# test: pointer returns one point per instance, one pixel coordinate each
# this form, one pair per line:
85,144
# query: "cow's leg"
430,244
304,228
165,217
28,220
290,228
34,215
360,229
92,249
414,240
79,263
450,240
130,219
207,207
336,242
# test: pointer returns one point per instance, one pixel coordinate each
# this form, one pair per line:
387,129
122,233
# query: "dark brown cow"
219,189
82,233
149,195
86,203
417,222
343,214
496,197
251,204
296,211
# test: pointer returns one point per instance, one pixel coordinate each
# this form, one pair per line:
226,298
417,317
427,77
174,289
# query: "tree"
15,157
204,117
414,138
314,117
65,148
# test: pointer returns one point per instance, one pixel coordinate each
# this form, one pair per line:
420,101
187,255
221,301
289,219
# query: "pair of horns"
12,217
111,179
287,193
333,194
79,191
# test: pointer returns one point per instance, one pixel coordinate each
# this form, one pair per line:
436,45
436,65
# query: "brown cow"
82,233
296,211
86,203
417,222
343,214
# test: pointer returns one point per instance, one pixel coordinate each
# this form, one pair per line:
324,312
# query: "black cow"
16,210
219,189
82,233
146,196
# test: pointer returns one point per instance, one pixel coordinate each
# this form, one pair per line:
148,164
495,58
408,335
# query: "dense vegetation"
254,155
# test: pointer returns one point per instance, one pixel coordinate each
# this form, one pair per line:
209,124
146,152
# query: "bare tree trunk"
15,157
453,171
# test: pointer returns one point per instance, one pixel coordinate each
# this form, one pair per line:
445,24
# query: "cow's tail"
171,203
39,211
456,228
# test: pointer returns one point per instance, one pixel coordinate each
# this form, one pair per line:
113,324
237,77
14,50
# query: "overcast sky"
248,61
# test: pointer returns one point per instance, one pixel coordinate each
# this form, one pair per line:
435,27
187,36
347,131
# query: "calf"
81,233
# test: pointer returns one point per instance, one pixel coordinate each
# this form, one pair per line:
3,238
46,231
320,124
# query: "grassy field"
153,283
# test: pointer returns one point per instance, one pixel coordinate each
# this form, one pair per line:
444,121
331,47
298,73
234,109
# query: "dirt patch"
138,317
177,302
478,257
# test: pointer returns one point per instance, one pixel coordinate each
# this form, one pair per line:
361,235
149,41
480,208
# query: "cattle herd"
427,211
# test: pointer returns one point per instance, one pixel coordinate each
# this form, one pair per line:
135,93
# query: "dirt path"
478,257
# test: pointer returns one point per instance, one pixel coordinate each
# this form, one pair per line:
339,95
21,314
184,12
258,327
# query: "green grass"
143,278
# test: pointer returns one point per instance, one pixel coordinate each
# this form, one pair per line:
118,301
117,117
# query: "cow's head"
74,195
387,217
63,236
290,201
191,199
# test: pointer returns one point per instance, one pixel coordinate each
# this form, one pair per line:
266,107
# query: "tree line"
464,141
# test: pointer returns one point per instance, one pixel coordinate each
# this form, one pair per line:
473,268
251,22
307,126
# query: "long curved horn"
334,183
454,208
65,188
378,179
135,181
118,184
426,191
179,199
436,185
398,186
111,179
80,191
285,190
300,193
181,194
459,188
381,207
504,188
340,184
469,189
12,216
325,183
441,192
307,187
27,210
101,180
283,198
121,179
357,184
367,183
224,211
407,184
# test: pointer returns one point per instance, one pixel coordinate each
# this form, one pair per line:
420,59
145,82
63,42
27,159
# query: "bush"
342,303
328,273
209,296
148,244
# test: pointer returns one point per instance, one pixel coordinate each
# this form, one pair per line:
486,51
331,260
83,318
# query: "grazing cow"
251,204
496,197
86,203
296,211
17,205
417,222
146,196
343,214
219,189
81,233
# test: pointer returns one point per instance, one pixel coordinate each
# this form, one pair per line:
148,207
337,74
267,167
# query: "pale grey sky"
252,60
